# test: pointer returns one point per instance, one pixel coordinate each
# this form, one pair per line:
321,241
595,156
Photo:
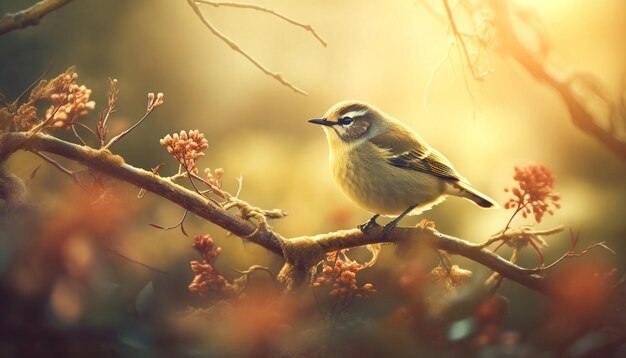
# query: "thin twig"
102,126
86,127
114,251
181,224
525,230
214,189
306,27
57,165
121,135
240,185
439,17
235,47
189,175
573,253
459,38
31,86
82,141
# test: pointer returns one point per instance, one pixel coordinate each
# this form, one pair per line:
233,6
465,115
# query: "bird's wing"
406,150
430,162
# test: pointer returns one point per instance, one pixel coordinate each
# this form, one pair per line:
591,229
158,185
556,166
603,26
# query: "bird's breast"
364,174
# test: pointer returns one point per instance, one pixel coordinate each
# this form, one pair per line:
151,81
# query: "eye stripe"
357,113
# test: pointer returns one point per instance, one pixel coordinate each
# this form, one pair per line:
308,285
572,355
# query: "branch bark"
31,16
300,253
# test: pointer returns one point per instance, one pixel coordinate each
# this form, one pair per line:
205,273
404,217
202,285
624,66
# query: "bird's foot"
370,224
390,226
387,228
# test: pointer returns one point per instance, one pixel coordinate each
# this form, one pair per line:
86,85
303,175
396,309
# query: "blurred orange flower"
534,193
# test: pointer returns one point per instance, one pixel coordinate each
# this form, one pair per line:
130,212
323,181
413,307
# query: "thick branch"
539,70
432,238
114,166
31,16
303,251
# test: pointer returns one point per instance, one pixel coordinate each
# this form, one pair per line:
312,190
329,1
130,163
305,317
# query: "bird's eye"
345,121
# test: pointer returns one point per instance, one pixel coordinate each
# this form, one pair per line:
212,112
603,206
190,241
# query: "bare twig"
102,126
82,141
306,27
153,103
85,127
31,16
181,224
573,253
235,47
242,281
521,232
57,165
124,133
239,186
459,38
213,189
116,252
31,86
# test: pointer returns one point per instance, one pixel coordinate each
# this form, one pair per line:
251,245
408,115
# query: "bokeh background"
394,54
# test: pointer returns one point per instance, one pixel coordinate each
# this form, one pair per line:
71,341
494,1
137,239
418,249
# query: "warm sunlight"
312,178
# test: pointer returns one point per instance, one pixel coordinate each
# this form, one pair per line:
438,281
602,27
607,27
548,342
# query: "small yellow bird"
385,167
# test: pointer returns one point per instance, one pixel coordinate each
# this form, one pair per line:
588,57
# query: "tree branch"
507,21
29,17
301,252
431,237
581,117
239,5
235,47
114,166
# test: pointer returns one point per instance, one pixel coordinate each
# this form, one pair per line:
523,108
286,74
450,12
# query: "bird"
385,167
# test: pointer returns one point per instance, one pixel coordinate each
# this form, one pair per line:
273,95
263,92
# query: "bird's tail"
466,191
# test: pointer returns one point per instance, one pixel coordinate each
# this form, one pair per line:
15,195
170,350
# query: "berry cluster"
208,278
186,148
214,178
341,278
70,102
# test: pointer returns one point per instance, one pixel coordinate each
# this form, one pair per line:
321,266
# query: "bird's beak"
321,121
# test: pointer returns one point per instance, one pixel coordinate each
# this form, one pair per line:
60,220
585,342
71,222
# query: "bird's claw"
370,224
387,229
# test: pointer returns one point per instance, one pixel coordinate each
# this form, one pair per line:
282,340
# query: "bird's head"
352,122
